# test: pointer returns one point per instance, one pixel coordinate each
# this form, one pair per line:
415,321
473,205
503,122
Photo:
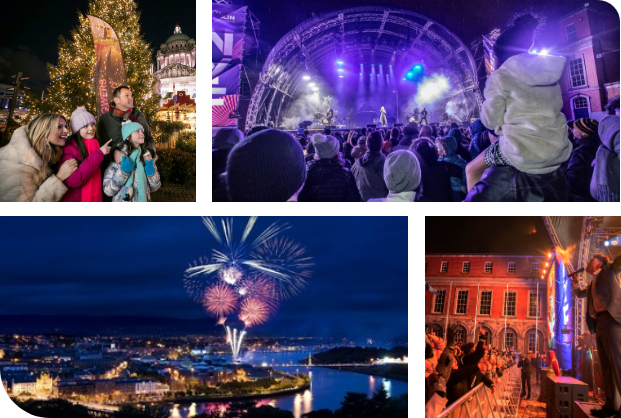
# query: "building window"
438,331
444,267
581,103
438,306
486,303
462,302
570,30
534,268
510,303
509,340
576,72
531,343
488,267
459,337
533,305
466,267
511,267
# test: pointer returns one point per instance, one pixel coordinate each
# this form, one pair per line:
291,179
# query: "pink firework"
253,311
220,300
260,288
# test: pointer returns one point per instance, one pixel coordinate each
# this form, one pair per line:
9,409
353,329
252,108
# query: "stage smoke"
304,108
459,108
431,89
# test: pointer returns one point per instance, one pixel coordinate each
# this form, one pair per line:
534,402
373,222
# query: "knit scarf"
122,114
91,191
141,178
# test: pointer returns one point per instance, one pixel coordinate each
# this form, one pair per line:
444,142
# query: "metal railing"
482,403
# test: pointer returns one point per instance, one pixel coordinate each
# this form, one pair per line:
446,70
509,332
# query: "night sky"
486,235
31,29
134,266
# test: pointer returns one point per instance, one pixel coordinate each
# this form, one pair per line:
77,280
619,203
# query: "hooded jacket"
328,181
369,174
605,181
23,178
523,103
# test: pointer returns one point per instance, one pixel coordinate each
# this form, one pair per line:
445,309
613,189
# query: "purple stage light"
339,62
340,76
340,70
372,65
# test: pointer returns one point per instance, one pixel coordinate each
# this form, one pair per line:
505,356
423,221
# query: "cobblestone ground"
175,193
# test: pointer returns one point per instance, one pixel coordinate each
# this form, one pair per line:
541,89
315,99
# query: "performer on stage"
383,116
604,319
329,116
423,116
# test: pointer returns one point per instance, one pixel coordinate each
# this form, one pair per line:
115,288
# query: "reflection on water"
327,390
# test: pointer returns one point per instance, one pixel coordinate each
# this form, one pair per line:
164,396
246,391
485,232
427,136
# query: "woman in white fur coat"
26,173
522,105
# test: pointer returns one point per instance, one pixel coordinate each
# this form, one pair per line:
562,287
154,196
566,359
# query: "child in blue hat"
136,177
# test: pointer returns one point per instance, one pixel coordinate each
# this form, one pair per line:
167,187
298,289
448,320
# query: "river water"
328,387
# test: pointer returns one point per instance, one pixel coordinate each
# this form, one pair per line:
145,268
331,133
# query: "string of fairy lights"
72,79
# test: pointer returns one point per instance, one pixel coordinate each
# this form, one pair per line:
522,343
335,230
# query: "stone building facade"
474,286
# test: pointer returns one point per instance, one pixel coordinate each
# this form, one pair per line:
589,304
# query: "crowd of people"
521,149
112,159
452,369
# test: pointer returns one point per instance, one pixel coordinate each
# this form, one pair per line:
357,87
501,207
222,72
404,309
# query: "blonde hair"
39,131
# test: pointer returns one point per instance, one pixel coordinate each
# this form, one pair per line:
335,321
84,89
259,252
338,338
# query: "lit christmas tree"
72,79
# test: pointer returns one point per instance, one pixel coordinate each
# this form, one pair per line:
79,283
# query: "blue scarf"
141,177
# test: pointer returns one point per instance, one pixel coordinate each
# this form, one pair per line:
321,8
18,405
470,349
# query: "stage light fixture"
380,65
340,70
418,66
339,62
360,73
340,76
306,77
544,52
409,75
549,255
607,243
614,242
315,88
311,84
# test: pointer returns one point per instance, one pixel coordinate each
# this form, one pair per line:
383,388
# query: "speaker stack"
562,392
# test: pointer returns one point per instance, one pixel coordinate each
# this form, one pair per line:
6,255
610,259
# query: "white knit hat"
80,118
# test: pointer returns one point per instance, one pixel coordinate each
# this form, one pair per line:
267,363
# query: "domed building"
176,65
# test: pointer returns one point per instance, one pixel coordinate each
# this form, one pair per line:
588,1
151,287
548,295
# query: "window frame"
457,302
491,267
491,299
511,264
531,292
513,339
504,304
532,270
463,267
584,74
435,297
442,263
575,34
534,341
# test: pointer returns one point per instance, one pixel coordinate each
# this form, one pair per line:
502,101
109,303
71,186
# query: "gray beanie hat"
326,146
401,171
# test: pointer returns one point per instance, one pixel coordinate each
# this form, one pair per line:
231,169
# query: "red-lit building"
589,39
474,287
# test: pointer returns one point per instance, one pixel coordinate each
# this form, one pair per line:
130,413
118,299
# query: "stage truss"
313,45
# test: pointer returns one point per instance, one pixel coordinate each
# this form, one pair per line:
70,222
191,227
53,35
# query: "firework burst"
220,300
253,311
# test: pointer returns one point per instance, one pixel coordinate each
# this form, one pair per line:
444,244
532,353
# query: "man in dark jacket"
327,179
435,175
527,371
109,127
465,379
536,363
580,169
121,110
369,170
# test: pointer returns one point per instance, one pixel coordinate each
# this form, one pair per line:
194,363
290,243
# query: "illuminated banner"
227,38
552,305
109,68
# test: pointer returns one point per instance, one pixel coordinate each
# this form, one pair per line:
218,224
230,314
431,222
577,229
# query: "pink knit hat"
80,118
